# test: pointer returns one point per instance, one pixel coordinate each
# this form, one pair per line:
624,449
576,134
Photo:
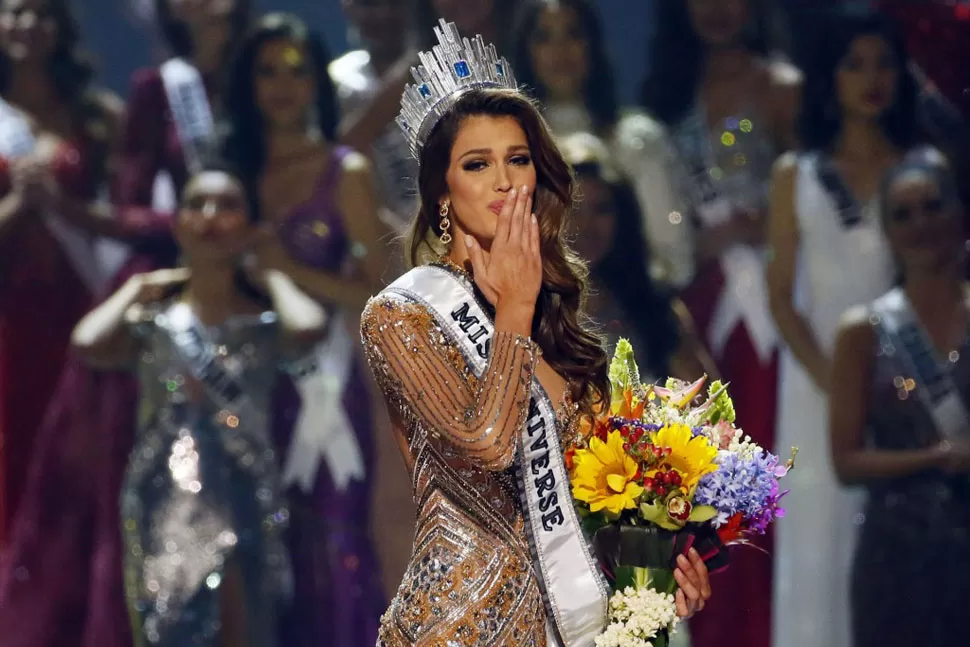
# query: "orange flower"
629,409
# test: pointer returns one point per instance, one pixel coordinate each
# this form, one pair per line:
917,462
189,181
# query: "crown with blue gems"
453,67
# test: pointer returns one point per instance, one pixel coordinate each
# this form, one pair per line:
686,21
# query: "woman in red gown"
56,131
61,582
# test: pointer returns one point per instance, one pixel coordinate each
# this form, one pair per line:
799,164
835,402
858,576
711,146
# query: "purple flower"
747,486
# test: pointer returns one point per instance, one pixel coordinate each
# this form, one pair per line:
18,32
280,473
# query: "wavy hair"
246,141
676,58
600,91
571,349
821,115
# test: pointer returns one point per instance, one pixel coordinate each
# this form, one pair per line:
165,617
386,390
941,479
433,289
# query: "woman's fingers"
683,610
516,225
535,244
505,217
688,587
700,569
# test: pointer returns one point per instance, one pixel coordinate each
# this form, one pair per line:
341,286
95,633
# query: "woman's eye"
520,160
476,165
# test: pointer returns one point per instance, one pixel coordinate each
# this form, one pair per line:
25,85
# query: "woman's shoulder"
395,309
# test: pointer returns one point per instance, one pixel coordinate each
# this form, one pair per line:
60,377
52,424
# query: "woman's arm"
303,321
103,337
138,159
855,463
423,377
361,128
784,240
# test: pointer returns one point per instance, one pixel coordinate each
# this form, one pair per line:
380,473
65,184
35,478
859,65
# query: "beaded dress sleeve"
428,384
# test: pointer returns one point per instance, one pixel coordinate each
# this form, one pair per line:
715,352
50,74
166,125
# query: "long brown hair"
558,327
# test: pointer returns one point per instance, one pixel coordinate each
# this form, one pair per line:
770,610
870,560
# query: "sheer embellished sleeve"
426,379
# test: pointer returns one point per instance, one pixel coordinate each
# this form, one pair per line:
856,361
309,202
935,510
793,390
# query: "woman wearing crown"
485,367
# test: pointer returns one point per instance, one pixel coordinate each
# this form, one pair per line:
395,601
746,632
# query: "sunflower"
692,456
603,476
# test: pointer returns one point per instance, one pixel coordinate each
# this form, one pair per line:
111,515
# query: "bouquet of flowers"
663,470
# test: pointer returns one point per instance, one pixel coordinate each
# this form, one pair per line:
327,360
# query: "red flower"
732,530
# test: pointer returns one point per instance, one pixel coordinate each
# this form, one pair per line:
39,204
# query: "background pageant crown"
453,67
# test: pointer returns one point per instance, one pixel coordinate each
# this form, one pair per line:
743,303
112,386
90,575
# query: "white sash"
16,141
744,298
935,387
189,105
194,349
574,590
324,430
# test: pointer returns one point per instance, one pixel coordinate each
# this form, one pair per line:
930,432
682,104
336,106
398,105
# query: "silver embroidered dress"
201,491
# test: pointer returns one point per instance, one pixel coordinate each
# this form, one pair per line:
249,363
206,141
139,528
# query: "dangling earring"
445,224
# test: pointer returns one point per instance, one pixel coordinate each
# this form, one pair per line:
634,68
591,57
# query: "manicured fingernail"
693,551
534,221
682,560
512,193
469,242
525,189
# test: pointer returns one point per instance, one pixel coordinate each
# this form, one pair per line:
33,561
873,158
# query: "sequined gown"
730,164
909,577
201,493
470,580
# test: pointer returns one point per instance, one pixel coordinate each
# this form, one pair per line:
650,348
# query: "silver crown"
453,67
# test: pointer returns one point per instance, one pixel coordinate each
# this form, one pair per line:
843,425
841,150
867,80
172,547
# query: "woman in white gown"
829,253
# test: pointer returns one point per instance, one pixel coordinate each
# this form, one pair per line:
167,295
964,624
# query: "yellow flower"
603,476
692,456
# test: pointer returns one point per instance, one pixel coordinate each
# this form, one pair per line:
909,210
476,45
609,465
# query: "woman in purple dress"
317,197
61,580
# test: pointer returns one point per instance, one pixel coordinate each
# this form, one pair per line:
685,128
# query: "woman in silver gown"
201,502
900,426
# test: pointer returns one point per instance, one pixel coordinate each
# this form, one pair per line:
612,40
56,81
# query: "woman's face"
865,79
594,220
199,13
28,30
470,16
489,157
213,224
560,52
718,23
284,84
923,226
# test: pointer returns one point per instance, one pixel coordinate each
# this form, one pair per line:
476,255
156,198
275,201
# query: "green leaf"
702,513
656,513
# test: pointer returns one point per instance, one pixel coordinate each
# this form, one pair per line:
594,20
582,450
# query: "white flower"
637,616
743,446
